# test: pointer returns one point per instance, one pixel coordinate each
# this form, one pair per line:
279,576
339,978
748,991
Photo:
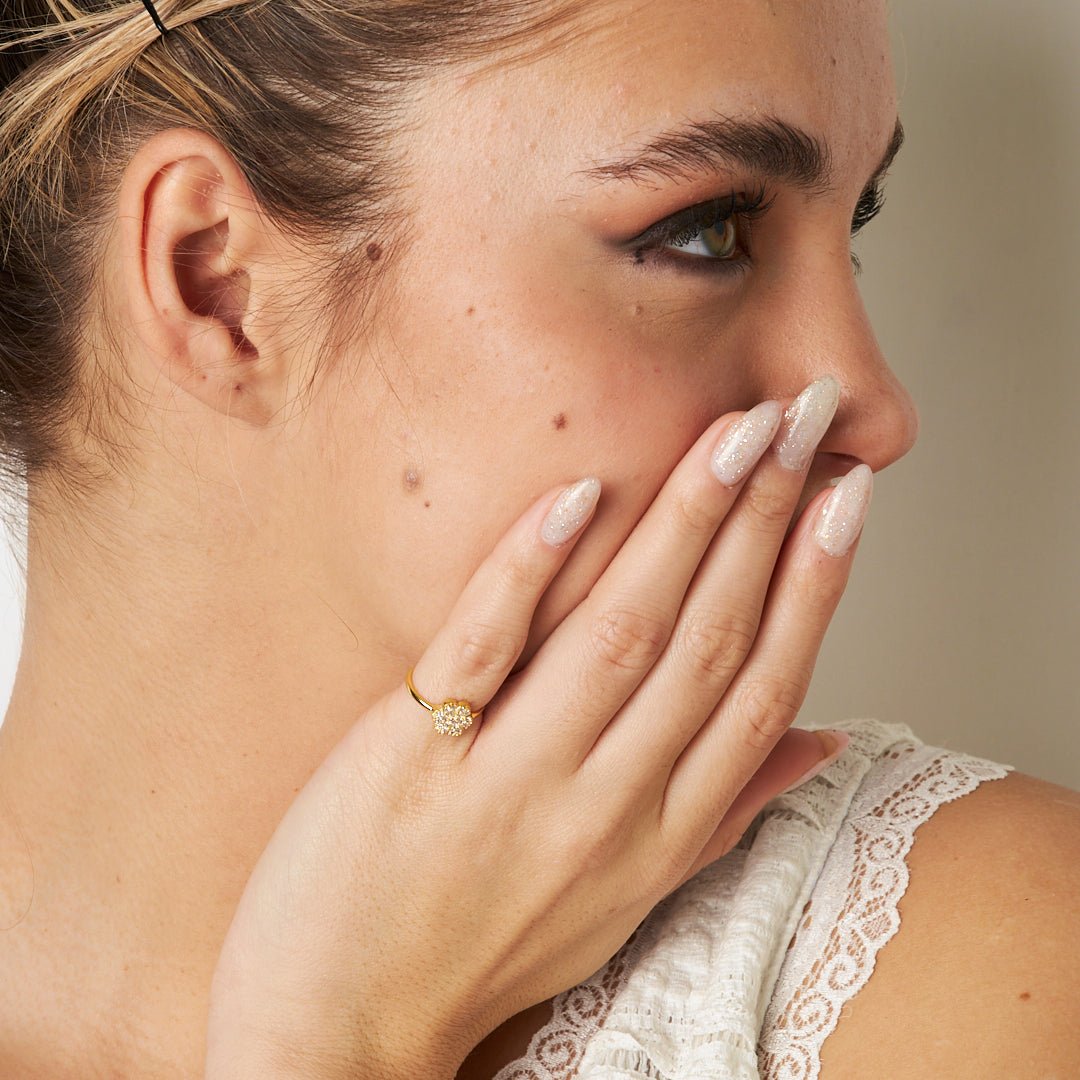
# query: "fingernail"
806,420
835,743
745,441
844,511
571,509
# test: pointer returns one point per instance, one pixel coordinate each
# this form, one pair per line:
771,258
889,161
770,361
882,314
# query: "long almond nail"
806,420
834,743
744,442
844,511
571,509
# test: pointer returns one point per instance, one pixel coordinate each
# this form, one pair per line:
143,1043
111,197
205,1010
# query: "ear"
191,237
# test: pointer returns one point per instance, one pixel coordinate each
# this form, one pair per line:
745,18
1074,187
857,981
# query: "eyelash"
870,204
686,224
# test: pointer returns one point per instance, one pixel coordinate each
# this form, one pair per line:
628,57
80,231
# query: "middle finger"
721,613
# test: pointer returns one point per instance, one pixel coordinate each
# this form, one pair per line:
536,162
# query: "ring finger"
629,620
720,617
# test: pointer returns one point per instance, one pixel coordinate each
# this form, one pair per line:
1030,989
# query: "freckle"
411,479
427,503
832,60
1025,996
374,251
639,308
470,310
559,422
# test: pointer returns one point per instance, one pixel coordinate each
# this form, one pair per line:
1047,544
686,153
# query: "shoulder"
981,980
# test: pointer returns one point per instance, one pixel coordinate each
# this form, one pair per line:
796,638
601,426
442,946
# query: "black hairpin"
148,4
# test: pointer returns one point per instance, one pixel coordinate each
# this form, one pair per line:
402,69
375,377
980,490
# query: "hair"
310,97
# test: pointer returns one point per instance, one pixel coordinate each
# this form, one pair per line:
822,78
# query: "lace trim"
556,1050
855,904
832,952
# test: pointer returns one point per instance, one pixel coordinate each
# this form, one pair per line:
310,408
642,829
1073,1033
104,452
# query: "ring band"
451,717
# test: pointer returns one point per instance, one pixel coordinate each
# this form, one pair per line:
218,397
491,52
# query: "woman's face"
530,343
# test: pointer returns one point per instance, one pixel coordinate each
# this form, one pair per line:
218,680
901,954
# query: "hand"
423,888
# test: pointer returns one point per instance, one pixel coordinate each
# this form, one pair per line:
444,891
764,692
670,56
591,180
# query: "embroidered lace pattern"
740,974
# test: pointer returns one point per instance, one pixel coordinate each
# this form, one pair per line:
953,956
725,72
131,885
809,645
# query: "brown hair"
309,96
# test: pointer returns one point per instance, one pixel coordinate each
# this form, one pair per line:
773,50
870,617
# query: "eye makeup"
737,211
680,228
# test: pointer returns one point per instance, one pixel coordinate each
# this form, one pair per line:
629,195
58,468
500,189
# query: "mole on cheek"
374,251
411,480
558,422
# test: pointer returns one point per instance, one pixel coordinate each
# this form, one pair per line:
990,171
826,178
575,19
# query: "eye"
718,240
713,232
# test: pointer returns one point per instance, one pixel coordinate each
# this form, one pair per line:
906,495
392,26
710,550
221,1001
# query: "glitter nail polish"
571,509
844,511
806,420
744,442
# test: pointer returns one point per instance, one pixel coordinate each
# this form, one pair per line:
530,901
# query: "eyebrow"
770,147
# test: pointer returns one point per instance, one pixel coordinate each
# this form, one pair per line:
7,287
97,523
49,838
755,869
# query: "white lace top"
740,974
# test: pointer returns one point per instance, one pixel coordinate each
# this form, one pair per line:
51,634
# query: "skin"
261,573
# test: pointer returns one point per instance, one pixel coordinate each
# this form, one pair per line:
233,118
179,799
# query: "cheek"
489,414
530,387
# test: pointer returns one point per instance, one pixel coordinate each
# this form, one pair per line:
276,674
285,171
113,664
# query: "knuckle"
821,591
485,651
522,574
772,703
627,640
767,505
716,644
691,515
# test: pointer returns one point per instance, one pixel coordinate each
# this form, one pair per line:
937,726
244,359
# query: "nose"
820,326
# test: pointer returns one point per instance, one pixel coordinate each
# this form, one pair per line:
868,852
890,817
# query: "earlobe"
188,226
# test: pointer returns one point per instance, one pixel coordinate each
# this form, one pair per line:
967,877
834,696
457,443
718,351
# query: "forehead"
630,69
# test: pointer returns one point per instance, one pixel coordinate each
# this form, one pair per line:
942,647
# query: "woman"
344,341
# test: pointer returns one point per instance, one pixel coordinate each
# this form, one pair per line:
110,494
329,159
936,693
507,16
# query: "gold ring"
451,717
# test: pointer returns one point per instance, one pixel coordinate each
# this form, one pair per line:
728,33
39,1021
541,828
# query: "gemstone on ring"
452,717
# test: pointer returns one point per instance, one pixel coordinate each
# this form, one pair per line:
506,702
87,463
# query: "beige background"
962,617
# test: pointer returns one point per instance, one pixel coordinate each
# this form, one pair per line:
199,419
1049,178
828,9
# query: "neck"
161,721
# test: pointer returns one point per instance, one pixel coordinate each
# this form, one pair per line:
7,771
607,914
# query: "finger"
722,611
602,649
798,757
475,649
771,686
716,624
